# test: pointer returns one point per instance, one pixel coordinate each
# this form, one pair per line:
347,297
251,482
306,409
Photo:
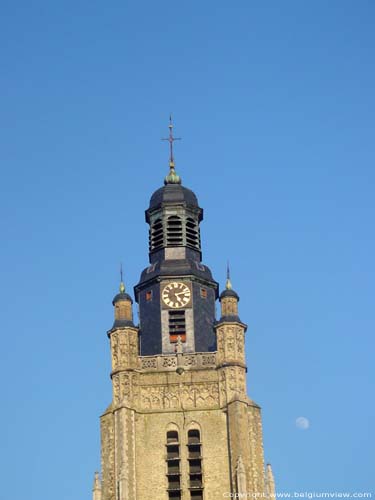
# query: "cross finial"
122,286
171,140
228,284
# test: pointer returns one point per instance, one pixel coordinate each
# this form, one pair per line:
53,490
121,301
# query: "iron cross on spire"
171,140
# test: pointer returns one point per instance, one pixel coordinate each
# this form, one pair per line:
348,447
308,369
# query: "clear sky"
275,103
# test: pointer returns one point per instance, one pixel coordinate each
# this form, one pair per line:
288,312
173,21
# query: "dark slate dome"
180,267
229,293
121,297
173,193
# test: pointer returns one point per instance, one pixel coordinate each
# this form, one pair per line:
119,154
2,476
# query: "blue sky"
275,104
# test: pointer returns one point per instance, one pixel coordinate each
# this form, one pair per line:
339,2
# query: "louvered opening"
177,326
194,437
172,437
196,495
157,235
195,464
173,466
192,233
173,452
174,231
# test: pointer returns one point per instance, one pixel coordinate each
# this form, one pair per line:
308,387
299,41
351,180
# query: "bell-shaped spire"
122,303
229,299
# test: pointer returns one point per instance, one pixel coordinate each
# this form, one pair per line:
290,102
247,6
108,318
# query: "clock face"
176,294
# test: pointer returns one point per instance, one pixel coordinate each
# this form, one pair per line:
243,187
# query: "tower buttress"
117,423
245,438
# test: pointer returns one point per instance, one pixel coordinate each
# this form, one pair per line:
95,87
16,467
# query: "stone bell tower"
180,424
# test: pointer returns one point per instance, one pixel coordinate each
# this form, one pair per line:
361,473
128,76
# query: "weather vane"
171,140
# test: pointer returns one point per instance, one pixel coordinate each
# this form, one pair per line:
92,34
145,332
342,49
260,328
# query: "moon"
302,423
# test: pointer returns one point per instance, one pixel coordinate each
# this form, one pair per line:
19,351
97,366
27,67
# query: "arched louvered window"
195,465
192,233
173,466
174,231
156,236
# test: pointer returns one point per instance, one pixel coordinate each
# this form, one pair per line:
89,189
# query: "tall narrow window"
177,326
192,233
174,231
156,236
195,465
173,466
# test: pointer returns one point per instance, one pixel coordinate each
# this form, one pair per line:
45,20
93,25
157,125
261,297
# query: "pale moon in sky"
302,423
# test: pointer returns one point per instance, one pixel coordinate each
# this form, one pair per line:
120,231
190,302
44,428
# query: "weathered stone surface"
150,397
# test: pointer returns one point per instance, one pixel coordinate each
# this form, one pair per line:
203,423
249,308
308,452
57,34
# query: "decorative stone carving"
208,359
189,361
122,387
223,389
230,343
123,351
170,361
124,348
149,363
232,383
125,384
116,389
175,396
240,340
114,350
230,346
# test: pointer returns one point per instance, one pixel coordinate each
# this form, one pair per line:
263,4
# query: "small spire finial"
122,286
97,483
172,177
228,284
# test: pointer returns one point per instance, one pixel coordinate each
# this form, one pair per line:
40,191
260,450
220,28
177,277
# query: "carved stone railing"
168,362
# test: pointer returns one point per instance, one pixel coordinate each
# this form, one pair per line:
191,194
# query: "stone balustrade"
168,362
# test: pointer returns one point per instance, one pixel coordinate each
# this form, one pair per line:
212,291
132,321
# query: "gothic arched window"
173,466
195,465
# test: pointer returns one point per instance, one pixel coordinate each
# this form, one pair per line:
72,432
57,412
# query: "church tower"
180,425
